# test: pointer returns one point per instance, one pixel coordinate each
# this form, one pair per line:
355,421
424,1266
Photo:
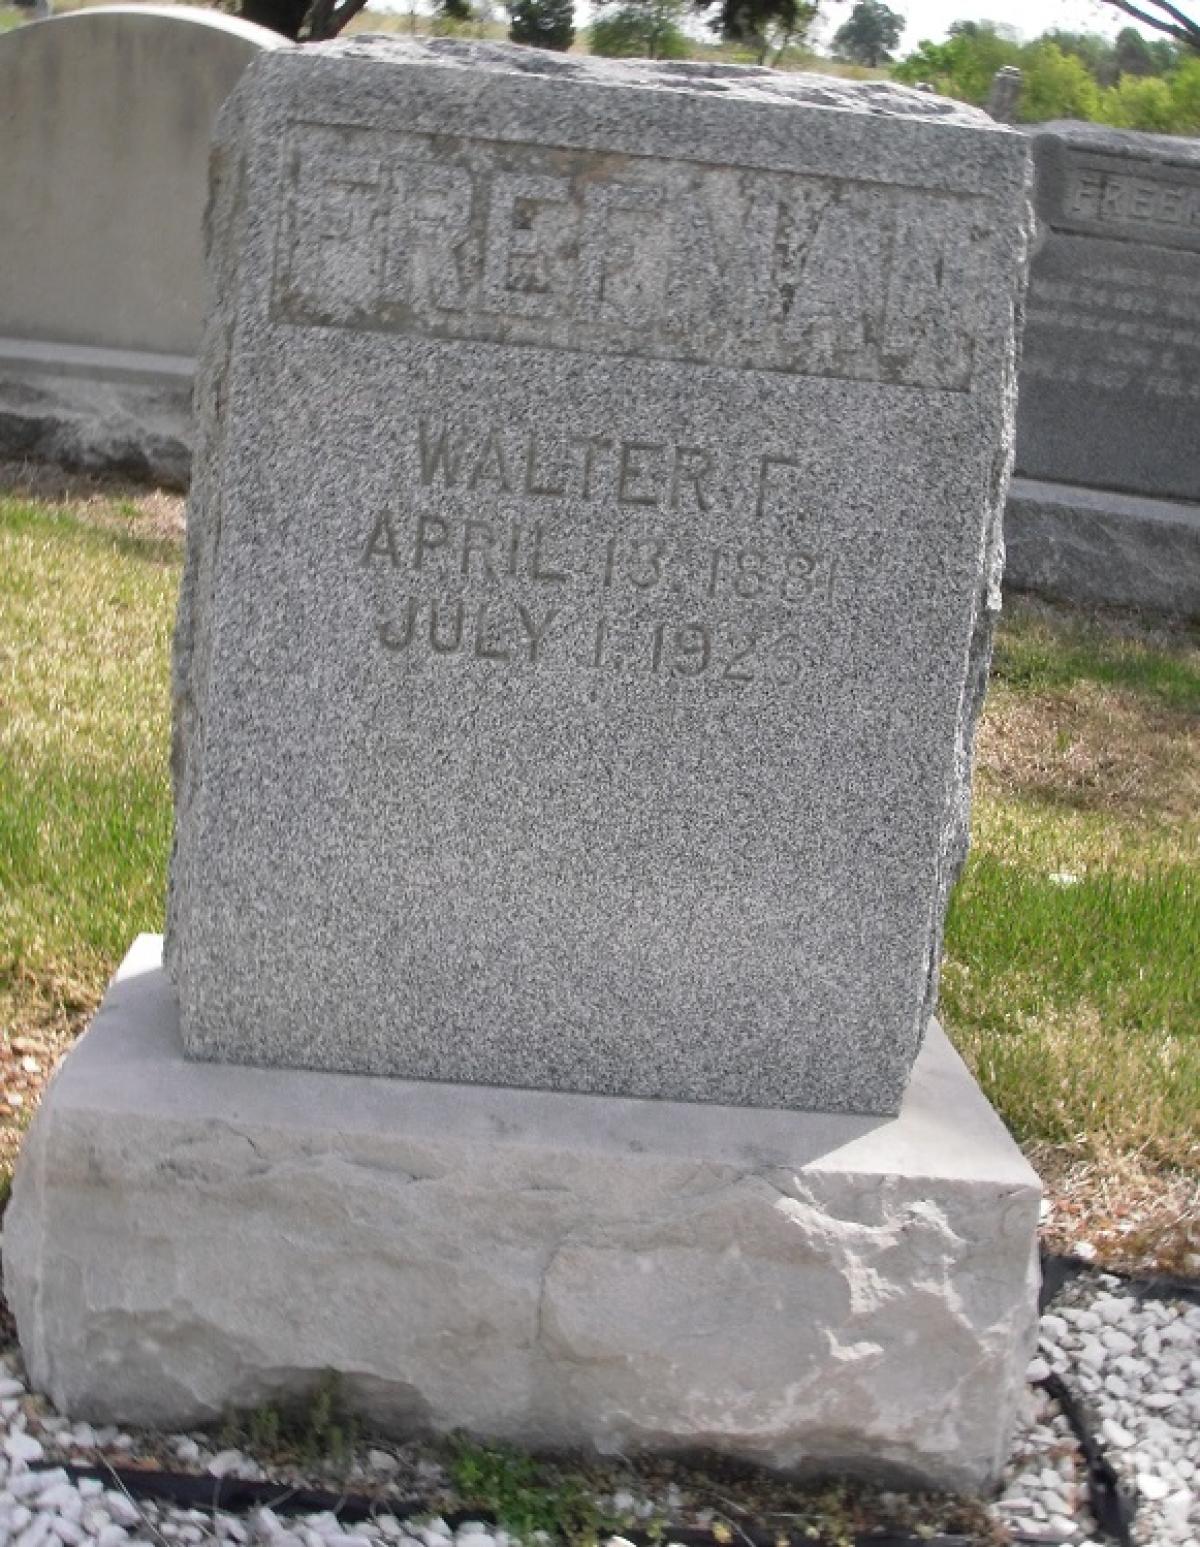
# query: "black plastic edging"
234,1495
1112,1507
1058,1271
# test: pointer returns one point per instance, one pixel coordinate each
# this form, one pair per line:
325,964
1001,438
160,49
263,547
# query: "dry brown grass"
1139,1217
1094,748
112,503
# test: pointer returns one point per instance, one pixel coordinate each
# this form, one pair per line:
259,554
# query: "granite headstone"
590,570
1110,380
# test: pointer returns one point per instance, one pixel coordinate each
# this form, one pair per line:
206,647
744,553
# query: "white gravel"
1135,1362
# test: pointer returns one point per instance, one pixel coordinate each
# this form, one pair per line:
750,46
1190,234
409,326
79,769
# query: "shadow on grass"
1042,652
20,518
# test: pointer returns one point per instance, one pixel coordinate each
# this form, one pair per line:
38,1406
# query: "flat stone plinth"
1095,546
97,410
798,1289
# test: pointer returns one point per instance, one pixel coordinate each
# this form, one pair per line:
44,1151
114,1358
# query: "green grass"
1079,1004
1036,655
524,1497
1072,971
578,1501
319,1427
85,617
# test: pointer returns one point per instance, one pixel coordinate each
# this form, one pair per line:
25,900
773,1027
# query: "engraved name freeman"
1124,198
629,255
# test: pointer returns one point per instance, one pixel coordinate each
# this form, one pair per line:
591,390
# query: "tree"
766,25
1105,61
1096,52
869,35
1164,16
1185,89
1003,30
1055,85
1167,56
304,21
542,23
1140,102
1066,75
639,29
454,10
965,65
1132,53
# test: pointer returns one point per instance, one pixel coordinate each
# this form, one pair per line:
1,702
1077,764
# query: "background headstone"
106,116
1110,377
1004,95
585,611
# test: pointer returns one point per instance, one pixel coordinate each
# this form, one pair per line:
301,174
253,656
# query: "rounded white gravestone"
108,114
106,117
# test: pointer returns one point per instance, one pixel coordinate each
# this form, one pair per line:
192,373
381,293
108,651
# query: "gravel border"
1134,1359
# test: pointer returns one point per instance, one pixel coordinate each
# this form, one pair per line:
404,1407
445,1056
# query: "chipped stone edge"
191,649
956,835
757,83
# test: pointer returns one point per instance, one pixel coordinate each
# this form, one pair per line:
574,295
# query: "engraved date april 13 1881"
566,606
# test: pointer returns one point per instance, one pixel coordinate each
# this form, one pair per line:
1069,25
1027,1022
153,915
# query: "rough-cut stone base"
97,410
1095,546
804,1290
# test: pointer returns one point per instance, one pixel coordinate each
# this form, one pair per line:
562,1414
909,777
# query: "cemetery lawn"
1071,980
87,592
1072,973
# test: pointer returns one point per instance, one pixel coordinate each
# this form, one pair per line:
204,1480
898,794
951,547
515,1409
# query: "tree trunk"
283,16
